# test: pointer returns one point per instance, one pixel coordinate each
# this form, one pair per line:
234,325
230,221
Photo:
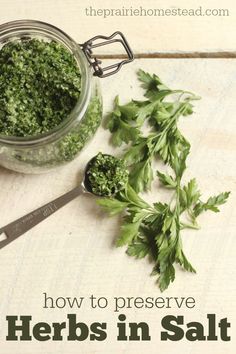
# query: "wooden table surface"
72,253
147,34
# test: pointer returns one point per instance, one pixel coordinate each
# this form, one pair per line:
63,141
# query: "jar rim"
43,29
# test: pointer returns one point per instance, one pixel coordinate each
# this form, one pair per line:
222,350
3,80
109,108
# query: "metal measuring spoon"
18,227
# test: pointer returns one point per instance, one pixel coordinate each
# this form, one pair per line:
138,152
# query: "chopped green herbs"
155,230
75,141
40,83
106,175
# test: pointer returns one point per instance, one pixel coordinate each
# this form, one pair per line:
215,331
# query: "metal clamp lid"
100,71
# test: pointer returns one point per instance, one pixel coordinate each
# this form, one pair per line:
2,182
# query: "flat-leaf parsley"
155,230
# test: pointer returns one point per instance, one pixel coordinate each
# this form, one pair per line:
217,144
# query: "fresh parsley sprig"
164,139
155,230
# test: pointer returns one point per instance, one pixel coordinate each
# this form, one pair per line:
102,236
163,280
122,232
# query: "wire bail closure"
99,71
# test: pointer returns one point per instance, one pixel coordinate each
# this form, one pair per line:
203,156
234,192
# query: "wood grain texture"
73,253
175,55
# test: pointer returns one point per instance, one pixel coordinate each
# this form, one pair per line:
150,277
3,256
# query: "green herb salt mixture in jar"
50,98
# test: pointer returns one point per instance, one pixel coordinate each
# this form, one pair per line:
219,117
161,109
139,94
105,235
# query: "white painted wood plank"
72,253
146,34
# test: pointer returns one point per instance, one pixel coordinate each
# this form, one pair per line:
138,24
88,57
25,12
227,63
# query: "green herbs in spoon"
106,175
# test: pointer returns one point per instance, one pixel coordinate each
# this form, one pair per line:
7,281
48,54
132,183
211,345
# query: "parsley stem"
160,134
189,226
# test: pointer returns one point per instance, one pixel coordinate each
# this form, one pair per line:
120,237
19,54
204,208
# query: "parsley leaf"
147,230
163,140
112,206
167,180
211,204
121,123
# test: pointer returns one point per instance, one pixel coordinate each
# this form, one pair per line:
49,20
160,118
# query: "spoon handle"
18,227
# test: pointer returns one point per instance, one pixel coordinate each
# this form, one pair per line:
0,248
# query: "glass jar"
37,154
